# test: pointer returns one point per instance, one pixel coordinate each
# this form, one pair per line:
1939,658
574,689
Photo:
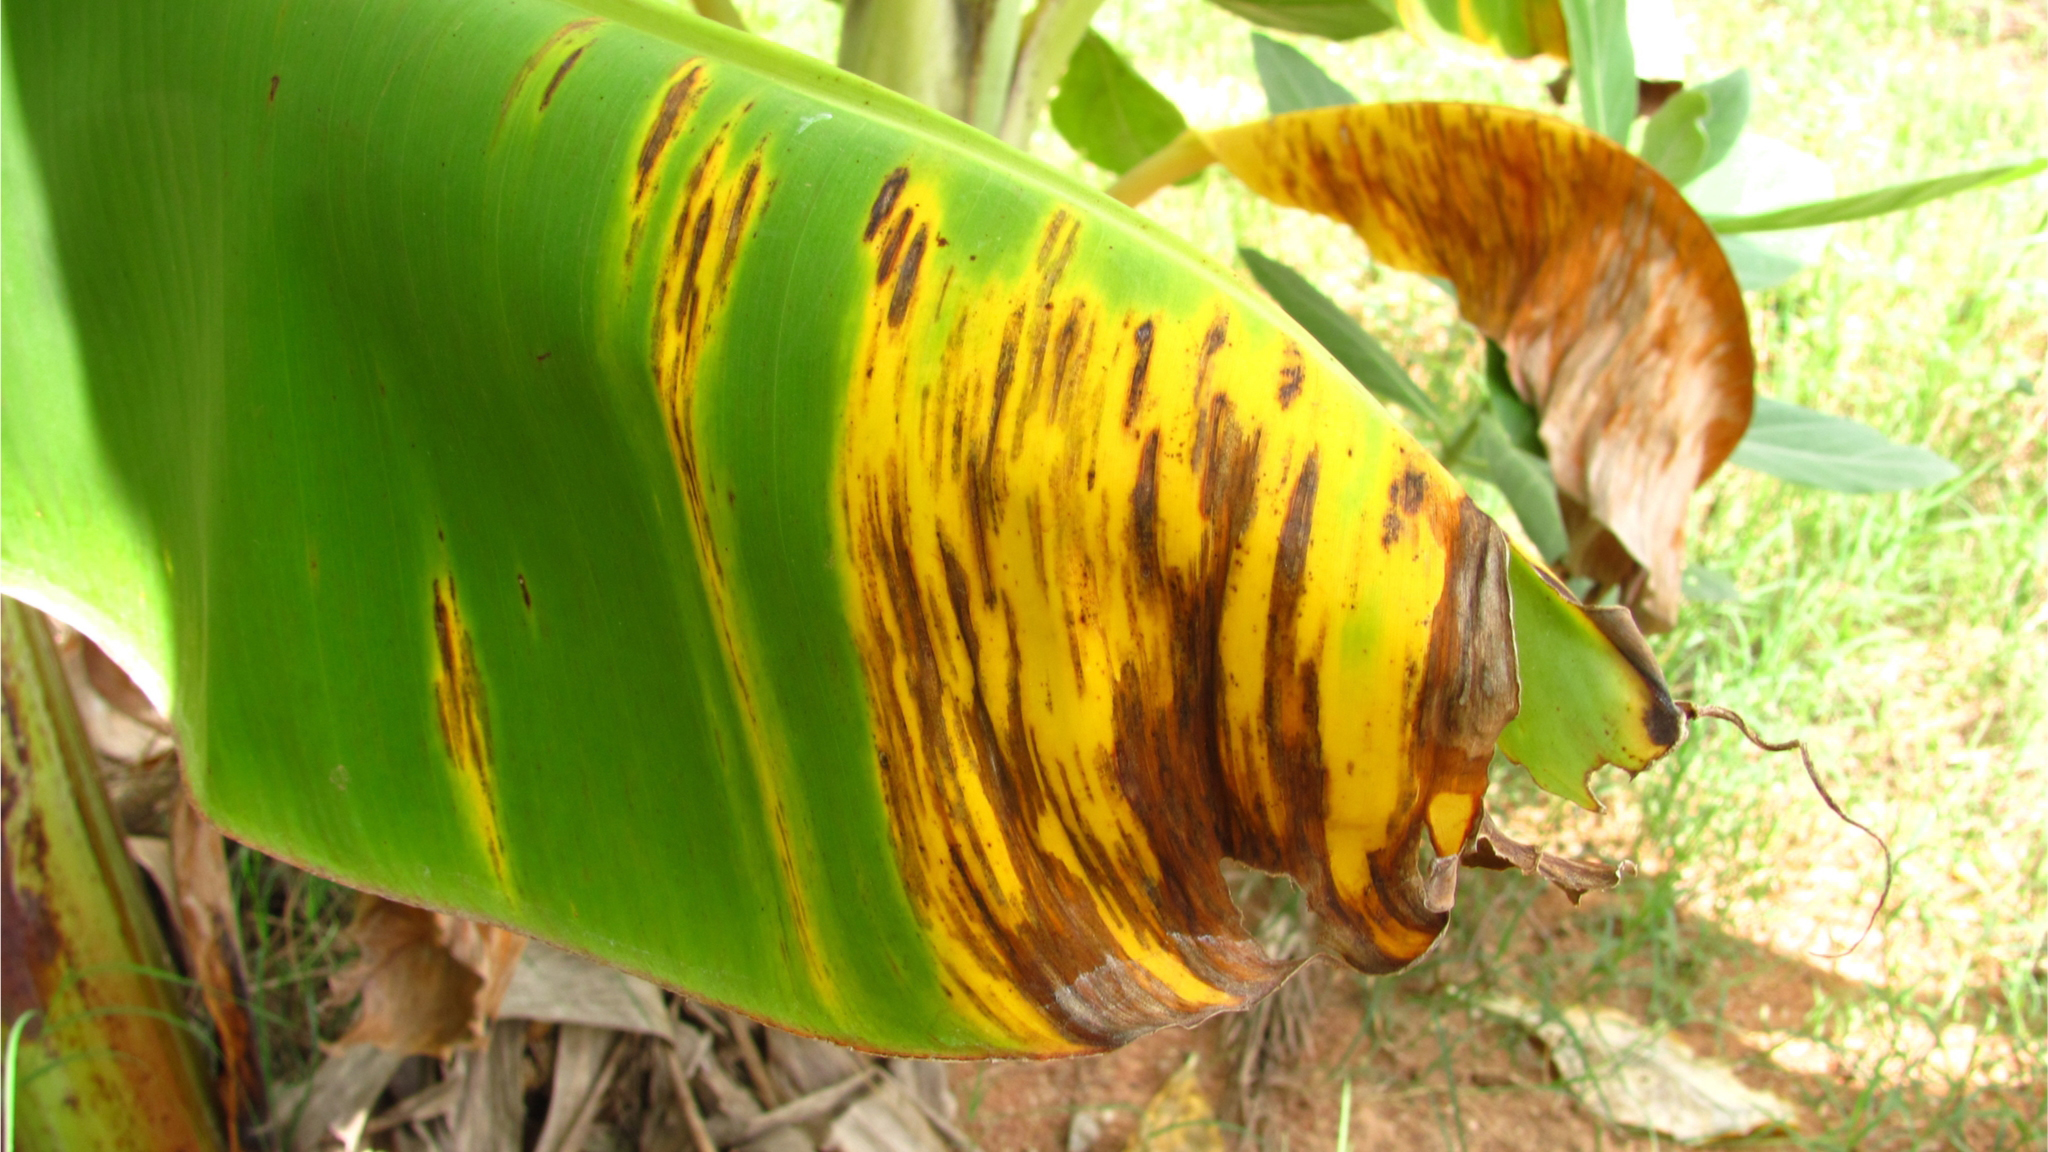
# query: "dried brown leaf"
428,981
205,911
1623,323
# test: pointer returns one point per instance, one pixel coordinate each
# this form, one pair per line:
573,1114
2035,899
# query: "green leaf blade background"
1603,64
1823,451
1292,81
1108,112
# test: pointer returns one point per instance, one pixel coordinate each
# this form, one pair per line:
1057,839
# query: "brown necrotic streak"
526,69
1290,378
681,96
1136,395
736,219
560,73
885,202
1468,693
892,246
906,278
459,707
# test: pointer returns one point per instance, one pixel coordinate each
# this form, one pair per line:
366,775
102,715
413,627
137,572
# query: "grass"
293,941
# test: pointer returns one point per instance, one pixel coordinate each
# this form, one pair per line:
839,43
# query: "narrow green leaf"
1604,63
1516,417
1108,112
1696,128
1292,80
1330,19
1823,451
1525,481
1339,334
1896,198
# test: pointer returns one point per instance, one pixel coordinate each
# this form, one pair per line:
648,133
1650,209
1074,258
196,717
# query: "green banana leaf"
539,456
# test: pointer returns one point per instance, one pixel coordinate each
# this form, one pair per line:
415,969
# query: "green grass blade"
1896,198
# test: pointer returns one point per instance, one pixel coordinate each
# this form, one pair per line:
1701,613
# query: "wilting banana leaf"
588,469
1623,326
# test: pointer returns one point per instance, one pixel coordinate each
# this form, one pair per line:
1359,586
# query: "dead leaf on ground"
888,1120
1179,1117
586,1060
428,981
1623,323
337,1100
560,987
1630,1075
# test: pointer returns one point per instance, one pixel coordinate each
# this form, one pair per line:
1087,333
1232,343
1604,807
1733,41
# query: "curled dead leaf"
429,981
1623,324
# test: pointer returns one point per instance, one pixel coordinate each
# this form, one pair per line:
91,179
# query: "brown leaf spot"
892,246
681,96
465,723
428,981
1290,378
561,72
1136,395
906,279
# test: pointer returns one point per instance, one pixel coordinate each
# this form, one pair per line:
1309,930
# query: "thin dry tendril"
1694,711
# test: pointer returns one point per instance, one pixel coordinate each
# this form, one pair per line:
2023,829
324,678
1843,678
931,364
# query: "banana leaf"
591,470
